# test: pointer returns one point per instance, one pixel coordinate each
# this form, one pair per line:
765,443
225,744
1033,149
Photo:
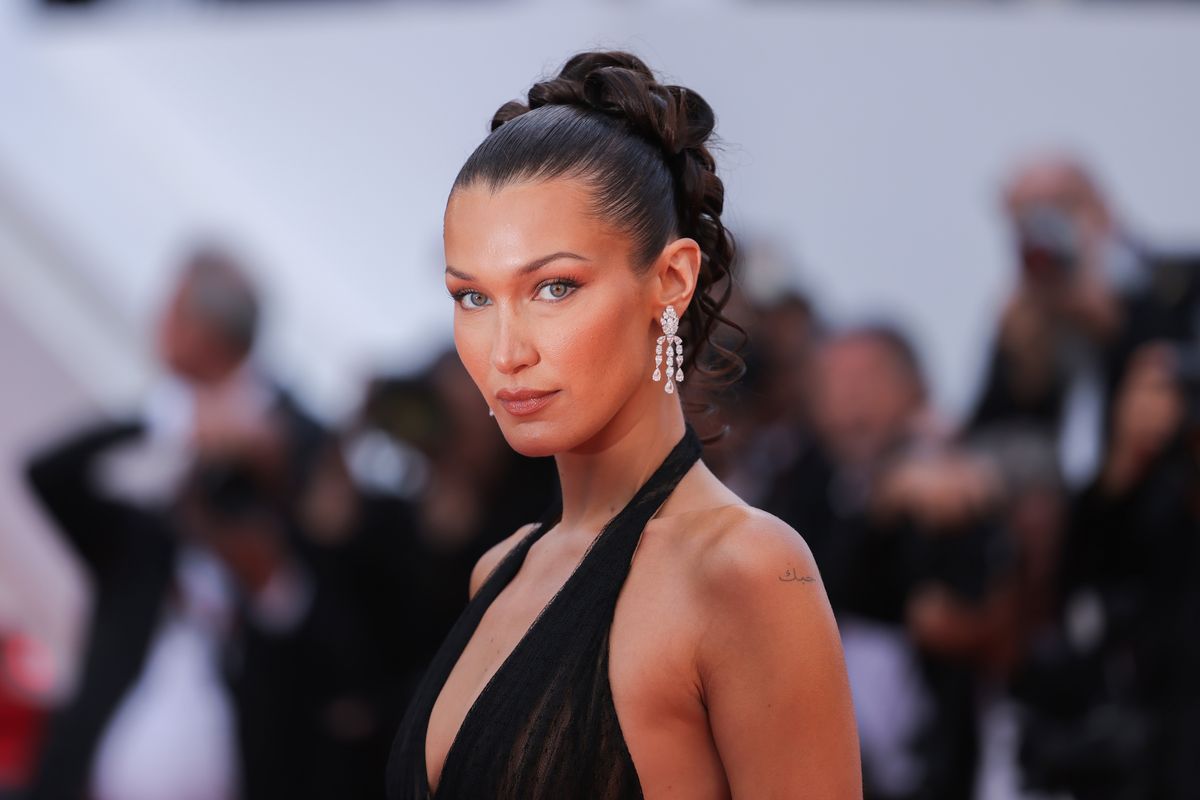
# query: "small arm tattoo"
790,575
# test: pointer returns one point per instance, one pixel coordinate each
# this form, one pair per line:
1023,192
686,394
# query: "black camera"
227,489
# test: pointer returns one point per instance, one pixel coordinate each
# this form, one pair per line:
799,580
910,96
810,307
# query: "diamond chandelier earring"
674,345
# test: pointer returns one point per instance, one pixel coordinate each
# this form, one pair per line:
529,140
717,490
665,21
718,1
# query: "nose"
512,348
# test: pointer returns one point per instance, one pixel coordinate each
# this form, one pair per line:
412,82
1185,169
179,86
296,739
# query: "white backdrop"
868,139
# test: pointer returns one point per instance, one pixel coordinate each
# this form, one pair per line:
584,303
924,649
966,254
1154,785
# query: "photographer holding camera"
207,606
1087,295
1095,353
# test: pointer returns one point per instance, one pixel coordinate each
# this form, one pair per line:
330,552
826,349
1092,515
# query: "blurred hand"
935,617
941,621
1148,411
1029,334
1041,311
939,492
231,419
1089,303
225,431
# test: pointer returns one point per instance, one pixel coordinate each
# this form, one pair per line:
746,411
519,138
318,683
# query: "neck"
602,475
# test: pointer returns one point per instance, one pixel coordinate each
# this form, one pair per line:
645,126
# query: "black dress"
544,727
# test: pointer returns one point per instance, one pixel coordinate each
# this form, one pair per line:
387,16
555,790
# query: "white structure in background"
870,139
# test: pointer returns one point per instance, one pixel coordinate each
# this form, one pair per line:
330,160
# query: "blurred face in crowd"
864,397
1062,184
1060,222
189,345
551,319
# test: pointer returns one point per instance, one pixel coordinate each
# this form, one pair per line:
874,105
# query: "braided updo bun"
642,147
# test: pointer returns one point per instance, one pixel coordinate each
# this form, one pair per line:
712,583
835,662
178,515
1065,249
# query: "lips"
522,402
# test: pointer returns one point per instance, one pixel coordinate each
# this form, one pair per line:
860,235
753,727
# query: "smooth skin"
725,662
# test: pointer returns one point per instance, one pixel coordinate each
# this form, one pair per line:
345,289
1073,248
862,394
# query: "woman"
652,635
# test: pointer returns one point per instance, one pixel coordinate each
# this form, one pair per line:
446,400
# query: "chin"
536,438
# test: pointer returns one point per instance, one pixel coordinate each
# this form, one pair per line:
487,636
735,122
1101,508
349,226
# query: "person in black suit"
207,596
1095,315
1088,294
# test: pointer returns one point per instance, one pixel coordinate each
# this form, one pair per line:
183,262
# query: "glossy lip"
521,402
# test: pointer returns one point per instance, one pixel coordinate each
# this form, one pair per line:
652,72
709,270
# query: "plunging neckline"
526,543
454,752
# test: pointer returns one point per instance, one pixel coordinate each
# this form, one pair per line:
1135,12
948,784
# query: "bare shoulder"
760,586
749,550
735,544
494,555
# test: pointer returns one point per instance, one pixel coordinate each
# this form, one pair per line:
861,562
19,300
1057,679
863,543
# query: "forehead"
1054,182
510,225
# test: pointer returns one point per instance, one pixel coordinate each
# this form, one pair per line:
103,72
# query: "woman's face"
550,319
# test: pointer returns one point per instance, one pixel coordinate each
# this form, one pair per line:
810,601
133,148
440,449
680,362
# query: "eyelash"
460,294
570,283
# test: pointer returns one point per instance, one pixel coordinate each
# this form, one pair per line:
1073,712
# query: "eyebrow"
532,266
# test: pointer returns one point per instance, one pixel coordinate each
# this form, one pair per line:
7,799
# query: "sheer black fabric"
544,727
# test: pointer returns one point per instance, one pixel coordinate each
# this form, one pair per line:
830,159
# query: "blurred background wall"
868,139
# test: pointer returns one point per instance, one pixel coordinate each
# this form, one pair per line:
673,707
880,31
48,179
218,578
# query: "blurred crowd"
267,587
983,569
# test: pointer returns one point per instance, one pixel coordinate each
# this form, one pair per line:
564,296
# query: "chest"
651,637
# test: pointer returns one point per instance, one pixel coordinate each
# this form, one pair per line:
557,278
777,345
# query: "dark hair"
218,290
642,147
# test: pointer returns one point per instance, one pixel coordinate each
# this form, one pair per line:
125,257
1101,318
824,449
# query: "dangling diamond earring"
670,324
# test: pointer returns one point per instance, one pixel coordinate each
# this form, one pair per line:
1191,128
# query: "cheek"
598,344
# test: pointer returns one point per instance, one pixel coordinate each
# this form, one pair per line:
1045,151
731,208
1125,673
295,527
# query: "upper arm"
60,478
772,669
494,555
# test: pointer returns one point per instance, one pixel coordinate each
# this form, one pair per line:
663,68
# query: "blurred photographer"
1114,704
181,517
1087,294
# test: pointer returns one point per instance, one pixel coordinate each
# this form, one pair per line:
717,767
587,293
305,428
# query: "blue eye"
556,290
471,300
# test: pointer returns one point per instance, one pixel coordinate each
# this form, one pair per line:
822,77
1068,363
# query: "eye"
556,289
470,299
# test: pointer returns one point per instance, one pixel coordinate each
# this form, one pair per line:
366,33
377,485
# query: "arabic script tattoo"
790,575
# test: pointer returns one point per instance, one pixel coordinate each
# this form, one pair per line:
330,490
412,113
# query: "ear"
675,275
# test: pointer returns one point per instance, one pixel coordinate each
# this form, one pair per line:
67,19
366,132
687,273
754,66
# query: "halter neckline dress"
544,726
